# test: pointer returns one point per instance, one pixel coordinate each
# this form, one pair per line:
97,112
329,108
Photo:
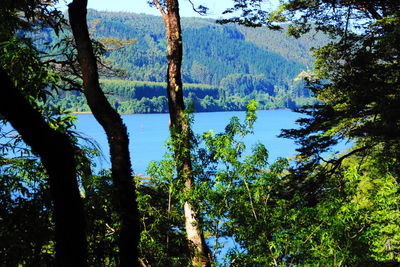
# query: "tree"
355,77
355,80
180,127
58,157
23,83
110,120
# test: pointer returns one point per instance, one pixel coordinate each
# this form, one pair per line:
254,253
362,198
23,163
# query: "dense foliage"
357,82
245,205
250,219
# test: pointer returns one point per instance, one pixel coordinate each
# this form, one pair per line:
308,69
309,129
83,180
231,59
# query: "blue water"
148,133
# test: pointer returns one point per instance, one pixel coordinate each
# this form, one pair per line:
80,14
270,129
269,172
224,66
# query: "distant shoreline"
81,112
90,113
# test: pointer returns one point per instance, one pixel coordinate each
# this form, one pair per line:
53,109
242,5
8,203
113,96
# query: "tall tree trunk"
180,128
110,120
57,155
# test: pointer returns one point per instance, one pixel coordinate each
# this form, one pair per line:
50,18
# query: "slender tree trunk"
180,128
57,155
110,120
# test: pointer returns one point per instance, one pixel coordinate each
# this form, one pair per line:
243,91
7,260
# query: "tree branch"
201,10
160,8
337,162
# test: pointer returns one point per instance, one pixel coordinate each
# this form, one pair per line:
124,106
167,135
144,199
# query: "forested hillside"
238,63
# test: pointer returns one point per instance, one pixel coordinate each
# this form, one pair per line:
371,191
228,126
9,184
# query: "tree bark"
110,120
57,155
180,128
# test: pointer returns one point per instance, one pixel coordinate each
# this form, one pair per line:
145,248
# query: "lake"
148,133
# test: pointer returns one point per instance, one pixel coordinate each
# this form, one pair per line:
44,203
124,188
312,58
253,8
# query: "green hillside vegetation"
287,47
149,97
224,66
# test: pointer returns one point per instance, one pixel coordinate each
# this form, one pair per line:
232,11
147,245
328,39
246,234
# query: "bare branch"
337,162
76,86
373,12
201,10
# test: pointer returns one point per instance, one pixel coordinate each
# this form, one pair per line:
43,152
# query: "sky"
216,7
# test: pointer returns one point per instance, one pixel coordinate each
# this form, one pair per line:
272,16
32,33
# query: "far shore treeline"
149,97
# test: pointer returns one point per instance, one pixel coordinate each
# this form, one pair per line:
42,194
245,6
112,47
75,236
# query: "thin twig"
196,10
